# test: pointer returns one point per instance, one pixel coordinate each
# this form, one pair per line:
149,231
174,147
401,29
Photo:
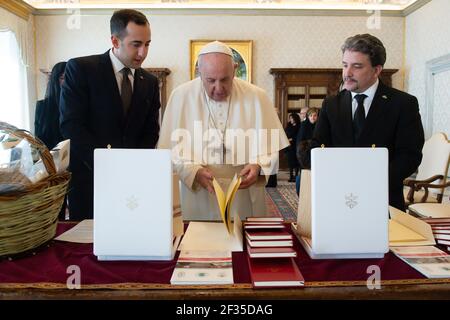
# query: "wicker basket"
28,217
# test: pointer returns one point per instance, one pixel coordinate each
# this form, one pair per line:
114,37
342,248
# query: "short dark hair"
367,44
296,117
121,18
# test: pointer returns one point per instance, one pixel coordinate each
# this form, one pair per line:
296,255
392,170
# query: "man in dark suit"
367,113
108,100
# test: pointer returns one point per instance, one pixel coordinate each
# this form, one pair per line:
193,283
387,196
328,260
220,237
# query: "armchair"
432,172
431,210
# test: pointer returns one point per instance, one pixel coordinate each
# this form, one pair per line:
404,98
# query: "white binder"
349,204
133,204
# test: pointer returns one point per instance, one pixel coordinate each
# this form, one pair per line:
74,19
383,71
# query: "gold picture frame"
242,54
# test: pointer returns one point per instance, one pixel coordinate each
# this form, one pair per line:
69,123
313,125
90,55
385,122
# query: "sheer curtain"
13,83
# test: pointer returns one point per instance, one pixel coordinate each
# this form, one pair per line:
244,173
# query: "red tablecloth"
49,265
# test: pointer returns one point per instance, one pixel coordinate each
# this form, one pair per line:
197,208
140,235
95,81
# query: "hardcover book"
275,273
264,219
269,243
263,225
443,221
268,235
271,252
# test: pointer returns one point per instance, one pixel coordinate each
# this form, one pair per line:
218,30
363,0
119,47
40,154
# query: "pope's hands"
204,177
249,175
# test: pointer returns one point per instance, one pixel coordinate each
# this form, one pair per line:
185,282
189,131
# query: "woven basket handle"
46,157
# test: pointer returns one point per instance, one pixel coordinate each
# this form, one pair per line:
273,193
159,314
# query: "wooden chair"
431,210
432,172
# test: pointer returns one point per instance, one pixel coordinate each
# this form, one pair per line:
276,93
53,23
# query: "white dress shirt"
117,67
370,93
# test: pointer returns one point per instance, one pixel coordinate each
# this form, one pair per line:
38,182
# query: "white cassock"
224,137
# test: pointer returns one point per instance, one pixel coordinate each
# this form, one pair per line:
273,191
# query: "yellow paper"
83,232
400,233
224,201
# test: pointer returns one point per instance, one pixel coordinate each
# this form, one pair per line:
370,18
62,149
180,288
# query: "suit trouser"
81,196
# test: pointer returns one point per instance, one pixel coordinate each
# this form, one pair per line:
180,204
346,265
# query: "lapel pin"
384,97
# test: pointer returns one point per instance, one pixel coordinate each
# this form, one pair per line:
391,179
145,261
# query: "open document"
406,230
212,236
82,233
428,260
224,200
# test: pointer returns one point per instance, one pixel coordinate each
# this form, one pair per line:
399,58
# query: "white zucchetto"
216,47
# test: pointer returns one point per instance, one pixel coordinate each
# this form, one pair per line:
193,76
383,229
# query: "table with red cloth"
44,273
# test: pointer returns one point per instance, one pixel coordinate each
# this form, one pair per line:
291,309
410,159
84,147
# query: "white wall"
427,38
278,41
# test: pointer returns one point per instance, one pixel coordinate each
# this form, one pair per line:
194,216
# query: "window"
13,83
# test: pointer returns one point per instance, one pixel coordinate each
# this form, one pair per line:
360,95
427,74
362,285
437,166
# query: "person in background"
303,114
46,117
303,118
304,140
307,128
46,120
291,132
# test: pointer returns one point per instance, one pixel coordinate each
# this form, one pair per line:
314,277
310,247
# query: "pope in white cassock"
218,126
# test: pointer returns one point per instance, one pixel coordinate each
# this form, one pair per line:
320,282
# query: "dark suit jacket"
291,132
92,117
303,150
46,123
393,122
306,131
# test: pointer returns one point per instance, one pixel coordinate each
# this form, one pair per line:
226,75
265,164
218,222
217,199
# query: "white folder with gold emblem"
133,204
349,204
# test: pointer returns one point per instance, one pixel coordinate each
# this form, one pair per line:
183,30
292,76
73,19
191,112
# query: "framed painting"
242,55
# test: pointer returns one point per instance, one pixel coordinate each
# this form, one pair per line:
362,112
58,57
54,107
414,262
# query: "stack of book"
270,253
267,223
268,238
441,230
